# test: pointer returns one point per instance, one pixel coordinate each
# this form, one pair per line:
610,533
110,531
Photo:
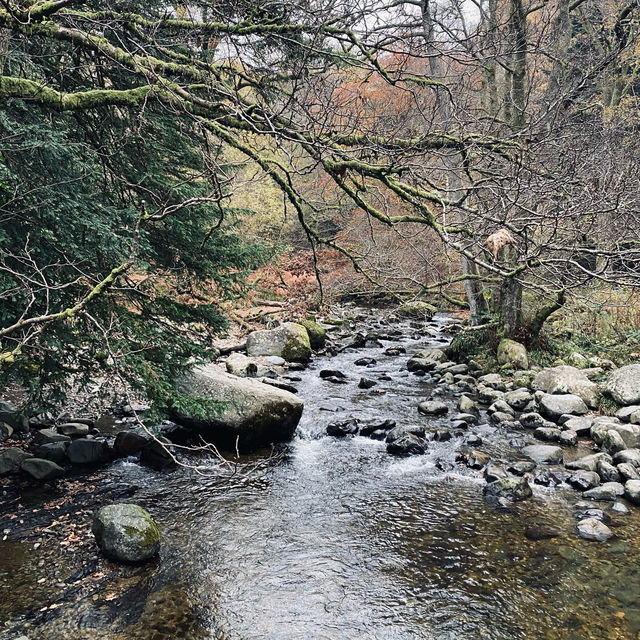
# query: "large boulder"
564,379
85,451
317,334
289,341
126,532
416,310
40,469
229,409
513,353
426,360
554,406
623,385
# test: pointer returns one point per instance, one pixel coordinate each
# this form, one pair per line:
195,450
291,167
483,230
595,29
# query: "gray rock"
277,361
129,443
632,456
627,472
10,414
533,420
499,417
366,383
632,491
568,380
6,431
569,438
619,508
502,407
521,467
45,436
289,341
426,360
623,385
126,533
245,411
11,459
518,398
407,445
468,418
467,405
157,454
74,429
513,353
543,453
613,442
606,491
584,480
553,406
433,408
493,381
240,365
84,451
487,395
582,426
592,529
588,463
54,451
625,413
493,472
607,472
512,489
417,310
43,470
547,434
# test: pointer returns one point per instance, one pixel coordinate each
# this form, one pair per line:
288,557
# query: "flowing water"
341,541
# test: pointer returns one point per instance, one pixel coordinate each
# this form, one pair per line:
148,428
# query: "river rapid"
337,540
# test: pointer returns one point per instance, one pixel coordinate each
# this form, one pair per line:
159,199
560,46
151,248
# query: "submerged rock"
407,445
592,529
234,410
126,532
343,428
513,489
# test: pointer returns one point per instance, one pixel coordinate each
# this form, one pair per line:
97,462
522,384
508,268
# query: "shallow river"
341,541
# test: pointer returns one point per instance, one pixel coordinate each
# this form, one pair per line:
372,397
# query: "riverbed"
335,540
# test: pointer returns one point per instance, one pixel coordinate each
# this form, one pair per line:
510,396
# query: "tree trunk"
452,162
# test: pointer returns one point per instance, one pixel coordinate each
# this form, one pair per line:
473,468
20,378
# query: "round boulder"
623,385
126,532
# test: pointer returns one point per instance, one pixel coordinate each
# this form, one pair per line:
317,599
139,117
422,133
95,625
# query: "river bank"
337,538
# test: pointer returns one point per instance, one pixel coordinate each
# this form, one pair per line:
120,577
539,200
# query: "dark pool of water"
341,541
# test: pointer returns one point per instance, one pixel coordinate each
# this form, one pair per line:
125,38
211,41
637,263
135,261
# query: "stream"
339,540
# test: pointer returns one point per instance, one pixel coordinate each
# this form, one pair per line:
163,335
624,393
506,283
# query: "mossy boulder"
416,310
289,341
229,411
513,353
126,532
317,335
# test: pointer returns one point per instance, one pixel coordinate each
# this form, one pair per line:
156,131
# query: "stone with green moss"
513,353
126,532
317,335
289,341
417,310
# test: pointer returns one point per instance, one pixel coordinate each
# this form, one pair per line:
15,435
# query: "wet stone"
540,531
547,434
607,491
407,445
129,443
74,429
433,408
331,373
43,470
343,428
592,529
54,451
512,489
366,383
377,427
584,480
568,438
607,472
632,456
521,467
632,491
86,452
543,453
627,472
588,463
